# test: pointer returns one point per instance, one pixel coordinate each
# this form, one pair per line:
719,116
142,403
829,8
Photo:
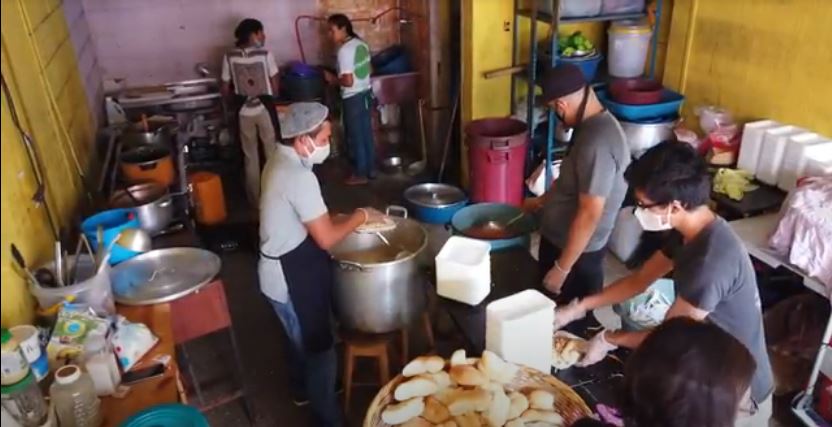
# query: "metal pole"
655,41
553,121
532,75
515,55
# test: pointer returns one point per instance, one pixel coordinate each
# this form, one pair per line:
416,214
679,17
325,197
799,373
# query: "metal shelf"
547,17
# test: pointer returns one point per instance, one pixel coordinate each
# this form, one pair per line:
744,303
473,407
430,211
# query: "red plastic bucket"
497,157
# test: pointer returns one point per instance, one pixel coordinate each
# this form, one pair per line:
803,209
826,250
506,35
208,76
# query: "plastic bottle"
13,363
74,397
100,362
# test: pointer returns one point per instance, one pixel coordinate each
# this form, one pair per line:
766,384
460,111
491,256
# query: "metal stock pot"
152,203
384,295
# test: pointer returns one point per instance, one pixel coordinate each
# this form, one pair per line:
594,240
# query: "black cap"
561,81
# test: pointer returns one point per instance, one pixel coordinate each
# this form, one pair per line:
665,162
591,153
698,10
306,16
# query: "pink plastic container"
497,156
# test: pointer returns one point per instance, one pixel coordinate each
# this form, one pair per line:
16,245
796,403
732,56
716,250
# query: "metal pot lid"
150,153
163,275
434,195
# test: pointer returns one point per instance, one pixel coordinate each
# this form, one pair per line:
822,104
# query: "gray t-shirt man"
291,197
714,273
595,166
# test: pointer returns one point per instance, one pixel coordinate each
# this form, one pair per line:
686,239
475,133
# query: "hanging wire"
39,197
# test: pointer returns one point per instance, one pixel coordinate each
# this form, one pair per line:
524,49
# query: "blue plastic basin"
112,222
472,215
668,106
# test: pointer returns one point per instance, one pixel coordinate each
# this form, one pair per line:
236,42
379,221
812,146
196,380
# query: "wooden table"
154,391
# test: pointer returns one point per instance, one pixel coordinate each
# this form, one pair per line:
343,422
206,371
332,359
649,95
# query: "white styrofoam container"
818,167
519,329
771,152
463,270
752,138
796,148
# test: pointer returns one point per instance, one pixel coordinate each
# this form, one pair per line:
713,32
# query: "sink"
396,88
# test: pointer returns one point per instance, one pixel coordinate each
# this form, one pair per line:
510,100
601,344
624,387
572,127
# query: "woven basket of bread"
466,392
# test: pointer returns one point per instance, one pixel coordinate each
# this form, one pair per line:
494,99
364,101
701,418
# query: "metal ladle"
497,225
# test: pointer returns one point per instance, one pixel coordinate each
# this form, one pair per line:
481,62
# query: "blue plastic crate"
668,106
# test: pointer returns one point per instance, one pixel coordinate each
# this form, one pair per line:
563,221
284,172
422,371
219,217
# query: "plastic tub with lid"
497,158
629,41
435,203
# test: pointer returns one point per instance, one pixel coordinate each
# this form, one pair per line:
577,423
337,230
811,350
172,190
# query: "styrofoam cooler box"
463,270
519,329
817,167
772,150
752,138
799,148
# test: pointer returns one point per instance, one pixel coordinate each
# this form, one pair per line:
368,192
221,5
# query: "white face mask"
317,155
651,221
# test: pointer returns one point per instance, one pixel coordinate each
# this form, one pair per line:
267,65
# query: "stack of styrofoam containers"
800,150
519,329
752,140
818,167
463,270
772,150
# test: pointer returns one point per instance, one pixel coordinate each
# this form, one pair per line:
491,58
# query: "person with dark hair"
250,71
580,209
354,78
295,270
686,373
712,272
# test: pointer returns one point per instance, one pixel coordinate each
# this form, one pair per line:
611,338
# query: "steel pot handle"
396,208
165,203
350,266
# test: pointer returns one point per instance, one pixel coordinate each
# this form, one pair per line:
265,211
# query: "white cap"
67,374
302,118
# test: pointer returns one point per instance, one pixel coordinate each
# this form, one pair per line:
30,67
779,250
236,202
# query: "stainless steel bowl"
642,136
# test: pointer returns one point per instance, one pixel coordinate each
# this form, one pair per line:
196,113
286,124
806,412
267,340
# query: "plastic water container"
629,41
463,270
73,395
569,8
90,288
794,157
752,140
519,329
771,152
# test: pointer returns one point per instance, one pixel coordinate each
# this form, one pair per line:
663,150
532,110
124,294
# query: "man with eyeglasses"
713,276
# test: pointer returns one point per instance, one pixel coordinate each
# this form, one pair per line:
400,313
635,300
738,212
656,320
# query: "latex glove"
553,281
597,350
569,314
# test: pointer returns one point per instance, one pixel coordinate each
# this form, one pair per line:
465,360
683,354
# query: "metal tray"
163,275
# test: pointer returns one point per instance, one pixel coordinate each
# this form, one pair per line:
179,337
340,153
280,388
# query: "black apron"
310,275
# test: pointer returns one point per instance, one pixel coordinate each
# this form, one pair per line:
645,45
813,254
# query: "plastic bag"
132,341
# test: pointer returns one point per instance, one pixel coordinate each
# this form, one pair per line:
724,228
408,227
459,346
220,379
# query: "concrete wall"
41,70
760,59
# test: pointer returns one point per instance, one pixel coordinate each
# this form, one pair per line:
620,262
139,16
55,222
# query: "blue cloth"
310,374
359,130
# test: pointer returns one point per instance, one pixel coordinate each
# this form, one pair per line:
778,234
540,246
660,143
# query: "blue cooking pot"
434,203
473,215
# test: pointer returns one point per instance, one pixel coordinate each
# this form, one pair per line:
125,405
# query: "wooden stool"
376,346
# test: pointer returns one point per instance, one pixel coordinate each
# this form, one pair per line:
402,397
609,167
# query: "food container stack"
463,270
519,328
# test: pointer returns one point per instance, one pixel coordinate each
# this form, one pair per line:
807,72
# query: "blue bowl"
112,222
587,64
668,106
472,215
167,415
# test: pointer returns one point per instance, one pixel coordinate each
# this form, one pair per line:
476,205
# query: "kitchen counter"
512,271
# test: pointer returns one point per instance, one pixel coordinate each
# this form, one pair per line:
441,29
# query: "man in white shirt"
253,73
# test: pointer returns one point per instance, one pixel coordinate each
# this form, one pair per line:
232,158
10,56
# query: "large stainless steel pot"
642,136
153,204
379,297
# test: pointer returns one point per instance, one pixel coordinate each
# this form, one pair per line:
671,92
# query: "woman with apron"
354,78
295,270
253,73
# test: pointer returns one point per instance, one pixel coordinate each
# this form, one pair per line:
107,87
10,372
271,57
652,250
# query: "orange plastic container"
208,198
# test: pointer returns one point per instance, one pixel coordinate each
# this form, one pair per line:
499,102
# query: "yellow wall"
39,65
760,59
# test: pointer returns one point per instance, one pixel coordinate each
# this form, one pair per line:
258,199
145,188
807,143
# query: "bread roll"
467,375
445,396
417,422
398,413
497,413
476,400
449,423
519,404
459,358
423,364
417,387
435,411
517,422
470,419
441,379
496,368
542,399
548,417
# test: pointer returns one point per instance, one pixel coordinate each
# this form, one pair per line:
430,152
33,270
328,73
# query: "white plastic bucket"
629,42
89,289
463,270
